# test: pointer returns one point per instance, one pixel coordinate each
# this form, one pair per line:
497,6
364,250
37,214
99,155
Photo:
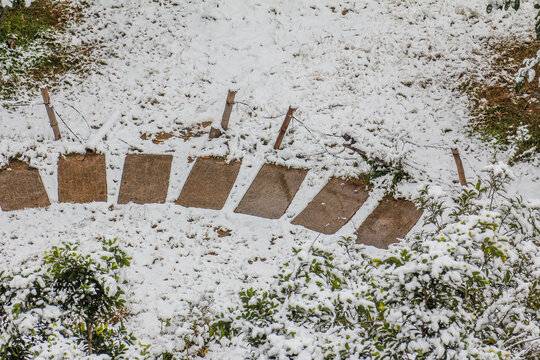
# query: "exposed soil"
499,110
40,24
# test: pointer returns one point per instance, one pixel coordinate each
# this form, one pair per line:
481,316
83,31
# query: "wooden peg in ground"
284,127
3,13
459,165
50,112
214,133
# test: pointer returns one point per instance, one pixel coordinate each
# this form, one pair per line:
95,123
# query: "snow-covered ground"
385,72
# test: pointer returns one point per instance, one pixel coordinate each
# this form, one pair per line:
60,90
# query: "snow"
385,72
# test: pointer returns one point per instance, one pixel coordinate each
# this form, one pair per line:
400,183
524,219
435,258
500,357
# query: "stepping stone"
145,179
82,178
21,187
333,206
390,220
271,192
209,183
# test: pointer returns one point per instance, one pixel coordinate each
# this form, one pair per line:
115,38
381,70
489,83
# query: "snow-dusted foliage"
467,287
68,308
527,73
515,4
188,331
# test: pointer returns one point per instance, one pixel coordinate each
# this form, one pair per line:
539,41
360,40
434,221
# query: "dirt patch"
498,110
145,179
333,206
82,178
184,133
209,183
21,187
391,219
222,232
271,192
26,29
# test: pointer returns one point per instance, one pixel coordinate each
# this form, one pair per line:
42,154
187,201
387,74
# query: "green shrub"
466,287
69,307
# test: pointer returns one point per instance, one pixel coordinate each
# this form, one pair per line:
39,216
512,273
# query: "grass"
31,53
500,114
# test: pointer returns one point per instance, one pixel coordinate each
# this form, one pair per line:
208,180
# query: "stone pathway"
209,183
21,187
271,192
145,179
333,206
391,219
82,178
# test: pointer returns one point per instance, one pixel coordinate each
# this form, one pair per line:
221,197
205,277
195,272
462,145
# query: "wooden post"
214,133
3,13
228,109
284,127
459,164
50,113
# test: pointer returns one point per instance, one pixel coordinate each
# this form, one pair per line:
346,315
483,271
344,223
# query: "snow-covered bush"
515,4
527,73
189,331
69,307
467,287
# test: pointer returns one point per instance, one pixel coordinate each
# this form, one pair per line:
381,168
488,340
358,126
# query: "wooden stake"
50,113
3,13
459,164
214,133
228,109
284,127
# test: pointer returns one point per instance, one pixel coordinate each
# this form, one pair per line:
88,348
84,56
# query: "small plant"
527,72
189,332
72,304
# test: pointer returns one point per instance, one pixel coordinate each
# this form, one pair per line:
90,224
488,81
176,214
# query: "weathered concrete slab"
21,187
390,220
145,179
209,183
271,192
82,178
333,206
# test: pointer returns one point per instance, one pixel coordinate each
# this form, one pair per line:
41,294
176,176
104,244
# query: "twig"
526,340
311,130
134,147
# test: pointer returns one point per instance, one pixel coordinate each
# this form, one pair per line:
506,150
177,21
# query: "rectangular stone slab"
333,206
390,220
209,183
271,192
21,187
145,179
82,178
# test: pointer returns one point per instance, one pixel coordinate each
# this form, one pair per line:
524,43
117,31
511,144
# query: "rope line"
60,117
78,112
255,111
313,132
